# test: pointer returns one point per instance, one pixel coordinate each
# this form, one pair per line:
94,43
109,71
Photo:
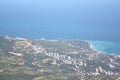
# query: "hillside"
41,59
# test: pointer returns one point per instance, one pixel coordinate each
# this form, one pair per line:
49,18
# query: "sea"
95,20
108,47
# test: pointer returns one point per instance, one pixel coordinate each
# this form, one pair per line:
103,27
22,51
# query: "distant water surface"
106,46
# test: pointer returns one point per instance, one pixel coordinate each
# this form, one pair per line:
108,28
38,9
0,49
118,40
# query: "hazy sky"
85,19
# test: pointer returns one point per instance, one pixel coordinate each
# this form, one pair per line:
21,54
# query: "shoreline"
98,46
101,46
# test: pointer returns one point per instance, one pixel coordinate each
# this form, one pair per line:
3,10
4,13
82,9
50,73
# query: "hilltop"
41,59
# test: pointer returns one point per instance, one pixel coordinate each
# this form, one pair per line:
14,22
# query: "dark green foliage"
54,60
6,45
15,77
73,77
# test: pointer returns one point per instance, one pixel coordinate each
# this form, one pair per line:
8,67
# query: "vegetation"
55,60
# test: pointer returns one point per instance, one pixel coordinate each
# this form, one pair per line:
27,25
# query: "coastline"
106,47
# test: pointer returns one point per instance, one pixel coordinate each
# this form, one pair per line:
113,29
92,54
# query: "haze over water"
68,19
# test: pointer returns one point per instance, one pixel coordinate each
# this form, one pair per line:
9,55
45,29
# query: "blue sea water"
106,46
67,19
